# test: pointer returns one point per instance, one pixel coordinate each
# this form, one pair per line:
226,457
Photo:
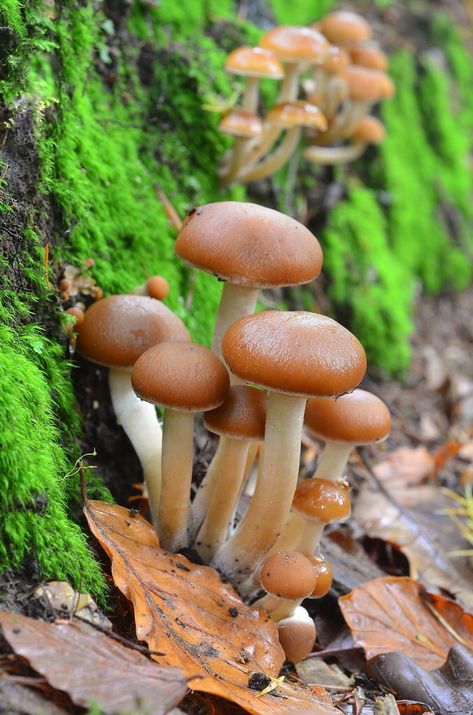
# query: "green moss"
301,13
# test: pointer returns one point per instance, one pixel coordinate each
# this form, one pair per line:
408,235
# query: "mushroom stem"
310,539
333,461
251,95
177,458
213,532
236,301
141,425
276,160
290,84
236,160
269,508
332,155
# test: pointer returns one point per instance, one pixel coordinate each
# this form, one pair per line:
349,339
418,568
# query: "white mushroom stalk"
333,460
274,161
333,155
141,425
235,302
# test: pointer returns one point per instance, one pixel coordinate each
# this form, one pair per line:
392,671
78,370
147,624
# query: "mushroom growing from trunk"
249,247
114,333
184,378
294,355
358,418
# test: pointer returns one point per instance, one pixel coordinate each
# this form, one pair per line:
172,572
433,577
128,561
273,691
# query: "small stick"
121,639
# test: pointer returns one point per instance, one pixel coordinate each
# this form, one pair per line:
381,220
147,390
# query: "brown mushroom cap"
297,114
324,575
241,124
118,329
296,637
367,85
249,245
322,500
357,418
254,62
182,376
157,287
369,56
296,44
344,27
295,352
337,60
369,131
241,415
288,574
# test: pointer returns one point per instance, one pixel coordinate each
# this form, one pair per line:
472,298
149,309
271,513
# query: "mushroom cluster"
267,374
331,75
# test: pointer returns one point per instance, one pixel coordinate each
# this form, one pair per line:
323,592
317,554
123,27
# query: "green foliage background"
117,108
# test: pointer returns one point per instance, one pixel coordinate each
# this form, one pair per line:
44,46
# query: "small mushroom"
287,577
369,55
155,287
243,126
369,131
297,635
184,378
344,28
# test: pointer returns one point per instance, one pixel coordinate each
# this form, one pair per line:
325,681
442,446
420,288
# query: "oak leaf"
93,668
394,615
195,621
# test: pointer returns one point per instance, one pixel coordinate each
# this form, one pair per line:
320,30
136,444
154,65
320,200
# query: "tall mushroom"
114,333
184,378
249,247
294,355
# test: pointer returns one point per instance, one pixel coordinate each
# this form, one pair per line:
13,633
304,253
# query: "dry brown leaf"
405,466
198,623
93,668
390,615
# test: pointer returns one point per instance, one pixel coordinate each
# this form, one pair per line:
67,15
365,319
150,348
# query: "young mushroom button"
294,355
115,332
184,378
249,247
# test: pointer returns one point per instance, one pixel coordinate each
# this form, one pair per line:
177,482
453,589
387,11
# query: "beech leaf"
195,621
393,614
93,668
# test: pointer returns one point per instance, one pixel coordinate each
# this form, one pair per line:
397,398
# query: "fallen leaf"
15,698
198,623
64,601
448,690
389,614
405,466
93,668
316,671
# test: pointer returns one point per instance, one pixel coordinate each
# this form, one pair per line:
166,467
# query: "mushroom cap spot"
322,499
242,415
337,60
249,245
297,114
296,44
357,418
297,635
181,376
157,287
296,352
324,575
369,56
369,131
344,27
288,574
254,62
367,85
116,330
241,124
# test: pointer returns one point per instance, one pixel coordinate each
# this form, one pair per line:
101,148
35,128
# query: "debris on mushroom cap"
295,352
366,84
358,418
296,114
324,575
344,27
323,500
296,44
369,131
288,574
254,62
369,56
118,329
157,287
241,124
297,635
241,415
182,376
249,245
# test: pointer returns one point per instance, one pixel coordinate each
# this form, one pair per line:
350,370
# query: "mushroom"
358,418
287,577
291,116
369,55
243,126
254,64
294,355
249,247
297,635
239,420
155,287
369,131
184,378
324,576
344,28
114,333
